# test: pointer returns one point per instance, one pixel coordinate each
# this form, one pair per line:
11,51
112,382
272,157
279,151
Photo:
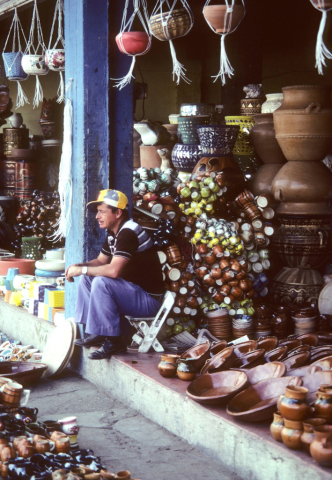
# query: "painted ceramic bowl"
55,59
186,157
217,139
34,64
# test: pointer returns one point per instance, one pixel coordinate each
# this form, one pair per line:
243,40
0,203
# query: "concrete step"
133,378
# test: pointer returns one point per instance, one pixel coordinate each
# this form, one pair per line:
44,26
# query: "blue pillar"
102,132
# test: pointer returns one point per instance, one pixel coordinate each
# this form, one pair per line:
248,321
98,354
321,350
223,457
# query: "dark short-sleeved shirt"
132,242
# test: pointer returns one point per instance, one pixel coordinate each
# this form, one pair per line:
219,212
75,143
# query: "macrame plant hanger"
32,50
168,32
322,52
58,14
12,60
228,25
65,187
127,44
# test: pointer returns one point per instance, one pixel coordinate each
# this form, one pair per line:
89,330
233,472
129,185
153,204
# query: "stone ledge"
246,448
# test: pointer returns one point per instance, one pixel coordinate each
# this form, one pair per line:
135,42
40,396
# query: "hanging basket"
13,66
34,64
55,59
133,43
168,25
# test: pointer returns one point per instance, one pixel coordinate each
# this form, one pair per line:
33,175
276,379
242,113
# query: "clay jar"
276,426
308,435
299,96
186,369
303,182
323,404
321,447
167,365
7,453
62,445
215,15
293,405
262,136
291,434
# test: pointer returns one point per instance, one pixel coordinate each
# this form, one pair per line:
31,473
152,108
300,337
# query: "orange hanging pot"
222,18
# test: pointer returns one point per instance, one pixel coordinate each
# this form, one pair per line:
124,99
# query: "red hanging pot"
133,43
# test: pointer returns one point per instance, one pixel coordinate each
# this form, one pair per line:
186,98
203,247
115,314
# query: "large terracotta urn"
300,96
263,139
261,181
303,241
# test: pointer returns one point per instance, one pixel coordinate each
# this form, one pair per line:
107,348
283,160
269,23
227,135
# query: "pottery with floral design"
323,404
34,64
133,43
224,18
55,59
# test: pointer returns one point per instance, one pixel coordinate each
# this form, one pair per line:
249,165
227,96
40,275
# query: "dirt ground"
124,439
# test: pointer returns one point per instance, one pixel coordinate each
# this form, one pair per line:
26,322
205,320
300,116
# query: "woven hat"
114,198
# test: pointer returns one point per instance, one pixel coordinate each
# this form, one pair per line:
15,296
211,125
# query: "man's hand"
73,271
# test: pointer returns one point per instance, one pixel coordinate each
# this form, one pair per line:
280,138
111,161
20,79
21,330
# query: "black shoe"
108,349
90,341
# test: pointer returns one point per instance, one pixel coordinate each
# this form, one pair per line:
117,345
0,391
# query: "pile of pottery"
302,427
303,186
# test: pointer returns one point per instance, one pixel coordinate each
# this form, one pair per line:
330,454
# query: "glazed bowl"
277,354
290,344
259,402
303,371
216,388
263,372
250,359
241,349
324,363
320,353
217,347
296,361
217,139
222,361
309,339
302,348
268,343
200,353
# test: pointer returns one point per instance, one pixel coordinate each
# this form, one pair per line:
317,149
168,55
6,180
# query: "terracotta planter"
304,134
308,436
291,434
293,405
221,21
261,181
300,96
26,267
168,25
149,155
321,447
295,286
133,43
262,137
303,241
307,182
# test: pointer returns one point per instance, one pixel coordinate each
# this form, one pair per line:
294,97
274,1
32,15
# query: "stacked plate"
242,325
59,348
219,323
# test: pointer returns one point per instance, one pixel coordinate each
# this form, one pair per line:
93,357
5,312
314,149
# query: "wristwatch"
84,270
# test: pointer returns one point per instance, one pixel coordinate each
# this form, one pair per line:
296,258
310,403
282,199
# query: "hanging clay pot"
168,25
321,447
263,139
132,43
215,15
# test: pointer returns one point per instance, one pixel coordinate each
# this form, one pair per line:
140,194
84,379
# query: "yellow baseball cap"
114,198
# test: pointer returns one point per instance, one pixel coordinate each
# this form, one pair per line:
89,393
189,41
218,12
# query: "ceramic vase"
186,369
272,102
308,434
168,365
215,15
276,426
132,43
186,157
168,25
300,96
293,405
321,447
262,137
291,434
260,182
217,139
323,404
295,286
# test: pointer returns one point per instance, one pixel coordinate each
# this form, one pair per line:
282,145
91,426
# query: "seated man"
125,278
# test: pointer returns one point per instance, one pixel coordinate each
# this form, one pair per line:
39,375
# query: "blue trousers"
102,303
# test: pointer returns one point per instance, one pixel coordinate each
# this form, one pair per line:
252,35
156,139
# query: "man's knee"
101,283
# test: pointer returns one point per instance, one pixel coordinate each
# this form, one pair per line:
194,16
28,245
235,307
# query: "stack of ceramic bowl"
49,270
220,324
304,320
242,325
262,321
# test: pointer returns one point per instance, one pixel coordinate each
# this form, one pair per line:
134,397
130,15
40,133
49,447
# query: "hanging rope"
226,68
178,69
322,52
126,26
58,17
35,24
12,60
65,187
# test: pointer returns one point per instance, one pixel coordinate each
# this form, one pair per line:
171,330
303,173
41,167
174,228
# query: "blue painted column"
97,162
